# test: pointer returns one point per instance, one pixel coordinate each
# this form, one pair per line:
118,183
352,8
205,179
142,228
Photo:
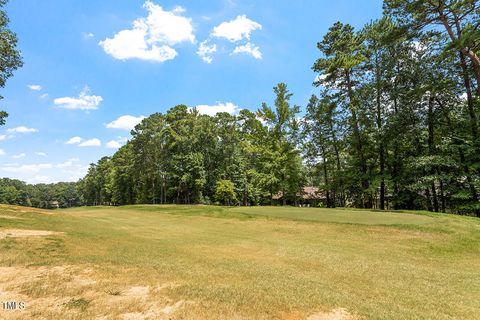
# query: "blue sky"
94,68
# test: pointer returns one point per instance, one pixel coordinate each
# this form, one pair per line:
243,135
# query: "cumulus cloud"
205,51
22,129
212,110
84,101
75,173
35,87
91,143
84,143
249,49
41,154
69,163
6,137
115,144
40,179
69,170
126,122
27,168
88,35
74,140
19,156
151,38
237,29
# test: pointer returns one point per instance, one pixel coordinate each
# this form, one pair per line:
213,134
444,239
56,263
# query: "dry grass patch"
53,292
12,208
21,233
336,314
4,216
200,262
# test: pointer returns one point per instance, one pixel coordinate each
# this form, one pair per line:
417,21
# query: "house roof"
307,193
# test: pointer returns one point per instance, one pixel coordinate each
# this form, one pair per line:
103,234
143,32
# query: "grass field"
201,262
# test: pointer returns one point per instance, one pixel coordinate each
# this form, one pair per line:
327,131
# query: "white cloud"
212,110
115,144
2,152
19,156
249,49
76,173
41,154
27,168
35,87
69,163
235,30
6,137
44,96
22,129
83,102
88,35
151,38
74,140
91,143
40,179
126,122
70,170
205,51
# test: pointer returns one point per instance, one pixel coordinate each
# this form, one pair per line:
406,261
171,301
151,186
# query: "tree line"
46,196
394,125
185,157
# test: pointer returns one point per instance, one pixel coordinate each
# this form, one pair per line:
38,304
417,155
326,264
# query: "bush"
225,192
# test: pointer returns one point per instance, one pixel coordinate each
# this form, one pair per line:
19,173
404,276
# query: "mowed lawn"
205,262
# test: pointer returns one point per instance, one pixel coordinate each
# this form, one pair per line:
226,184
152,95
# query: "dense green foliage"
393,126
55,195
185,157
10,57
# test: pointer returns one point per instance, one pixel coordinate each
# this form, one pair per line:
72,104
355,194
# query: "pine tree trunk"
442,196
327,191
431,141
358,142
380,143
470,100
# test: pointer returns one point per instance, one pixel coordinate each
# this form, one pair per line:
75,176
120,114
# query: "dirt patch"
80,281
336,314
150,314
21,233
155,312
133,316
166,286
168,310
52,291
137,291
14,282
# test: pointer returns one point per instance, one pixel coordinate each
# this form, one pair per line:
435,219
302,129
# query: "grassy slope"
265,262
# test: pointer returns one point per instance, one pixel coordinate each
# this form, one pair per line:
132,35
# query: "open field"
199,262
